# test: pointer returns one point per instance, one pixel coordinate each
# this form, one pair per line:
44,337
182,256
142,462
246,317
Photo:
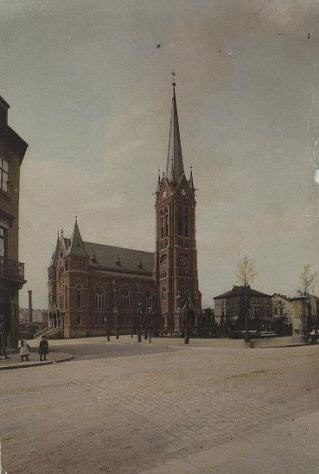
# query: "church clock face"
183,260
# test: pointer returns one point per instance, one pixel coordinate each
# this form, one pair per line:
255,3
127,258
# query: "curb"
35,364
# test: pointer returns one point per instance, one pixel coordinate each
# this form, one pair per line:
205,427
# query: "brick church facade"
93,287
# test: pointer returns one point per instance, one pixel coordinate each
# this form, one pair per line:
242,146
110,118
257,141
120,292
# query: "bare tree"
307,278
245,271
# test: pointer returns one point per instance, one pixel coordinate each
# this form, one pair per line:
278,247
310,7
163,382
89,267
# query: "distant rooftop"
241,291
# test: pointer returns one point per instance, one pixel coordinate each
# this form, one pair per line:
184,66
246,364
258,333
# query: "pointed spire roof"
77,247
191,179
174,166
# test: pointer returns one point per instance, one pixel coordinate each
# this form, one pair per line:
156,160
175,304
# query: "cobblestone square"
128,408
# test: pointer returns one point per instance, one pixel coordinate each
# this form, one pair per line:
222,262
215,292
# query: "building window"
3,175
163,259
78,293
66,296
179,221
148,300
164,294
186,222
162,224
100,297
166,221
125,298
3,241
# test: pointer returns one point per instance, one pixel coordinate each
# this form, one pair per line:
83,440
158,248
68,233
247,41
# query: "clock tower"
176,257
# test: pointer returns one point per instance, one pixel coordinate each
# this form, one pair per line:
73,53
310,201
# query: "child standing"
43,348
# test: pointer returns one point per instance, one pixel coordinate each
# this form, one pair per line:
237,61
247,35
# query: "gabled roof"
241,291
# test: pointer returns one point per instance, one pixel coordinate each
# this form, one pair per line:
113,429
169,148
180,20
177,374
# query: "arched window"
148,300
162,225
164,294
163,259
179,221
166,221
184,294
100,297
186,222
66,296
78,295
125,298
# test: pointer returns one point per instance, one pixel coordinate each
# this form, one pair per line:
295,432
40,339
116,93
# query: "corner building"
12,150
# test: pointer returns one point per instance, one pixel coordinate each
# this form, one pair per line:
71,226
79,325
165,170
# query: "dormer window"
4,175
140,265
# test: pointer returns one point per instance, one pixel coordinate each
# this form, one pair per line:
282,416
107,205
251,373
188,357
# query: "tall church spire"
174,166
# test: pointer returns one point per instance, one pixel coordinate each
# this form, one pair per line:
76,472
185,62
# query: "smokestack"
30,305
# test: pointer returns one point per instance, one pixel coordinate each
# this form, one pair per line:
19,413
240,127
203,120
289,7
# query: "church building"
93,287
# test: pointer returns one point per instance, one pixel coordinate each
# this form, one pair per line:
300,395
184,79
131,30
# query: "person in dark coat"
3,346
43,348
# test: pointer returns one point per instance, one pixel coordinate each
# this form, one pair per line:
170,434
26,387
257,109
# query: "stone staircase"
49,333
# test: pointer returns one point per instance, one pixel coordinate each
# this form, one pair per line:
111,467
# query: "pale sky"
90,92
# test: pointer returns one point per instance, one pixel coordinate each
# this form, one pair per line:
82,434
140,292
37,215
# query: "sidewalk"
14,361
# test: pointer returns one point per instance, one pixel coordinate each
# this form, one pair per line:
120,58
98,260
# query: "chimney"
30,305
4,106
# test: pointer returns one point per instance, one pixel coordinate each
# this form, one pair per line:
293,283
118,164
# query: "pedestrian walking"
24,350
3,346
43,348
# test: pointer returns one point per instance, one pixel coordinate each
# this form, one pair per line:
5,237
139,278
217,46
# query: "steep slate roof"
118,259
241,291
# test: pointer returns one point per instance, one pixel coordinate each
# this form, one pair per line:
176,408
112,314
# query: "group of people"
24,349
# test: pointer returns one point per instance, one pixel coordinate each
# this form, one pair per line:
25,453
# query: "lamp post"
246,314
107,327
145,326
116,313
139,319
185,311
150,324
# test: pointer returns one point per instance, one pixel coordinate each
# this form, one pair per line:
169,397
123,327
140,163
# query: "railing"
50,333
11,269
41,332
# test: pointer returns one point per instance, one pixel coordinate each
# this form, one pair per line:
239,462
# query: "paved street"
162,408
